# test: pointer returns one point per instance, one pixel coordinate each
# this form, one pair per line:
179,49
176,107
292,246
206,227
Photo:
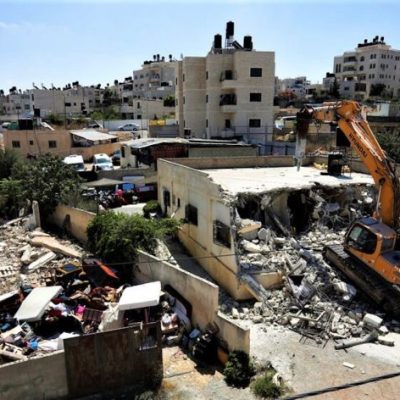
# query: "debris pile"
50,291
313,298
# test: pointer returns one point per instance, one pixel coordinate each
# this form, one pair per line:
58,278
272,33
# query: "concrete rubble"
314,298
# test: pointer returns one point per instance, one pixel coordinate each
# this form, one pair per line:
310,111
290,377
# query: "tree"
11,198
377,89
334,90
8,158
390,142
48,181
116,237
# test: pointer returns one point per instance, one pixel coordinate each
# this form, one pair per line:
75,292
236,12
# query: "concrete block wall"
35,379
78,220
202,294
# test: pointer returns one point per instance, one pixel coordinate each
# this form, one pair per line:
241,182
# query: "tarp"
103,182
140,296
35,304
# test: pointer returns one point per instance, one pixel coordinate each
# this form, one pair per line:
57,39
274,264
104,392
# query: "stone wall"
35,379
200,293
77,222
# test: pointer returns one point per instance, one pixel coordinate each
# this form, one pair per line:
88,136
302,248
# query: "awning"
103,182
140,296
92,135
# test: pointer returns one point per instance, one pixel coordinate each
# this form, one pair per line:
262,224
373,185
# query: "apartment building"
371,67
228,93
71,101
156,79
299,86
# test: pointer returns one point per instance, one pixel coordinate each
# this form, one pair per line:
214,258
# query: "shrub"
264,386
151,206
239,369
116,237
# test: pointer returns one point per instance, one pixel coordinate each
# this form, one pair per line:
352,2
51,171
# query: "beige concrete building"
60,142
371,63
228,93
216,196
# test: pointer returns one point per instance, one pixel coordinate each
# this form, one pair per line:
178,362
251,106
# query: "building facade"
372,69
228,93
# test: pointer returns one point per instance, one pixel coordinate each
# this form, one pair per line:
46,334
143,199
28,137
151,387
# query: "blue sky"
99,41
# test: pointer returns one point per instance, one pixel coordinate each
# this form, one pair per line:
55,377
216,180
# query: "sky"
60,41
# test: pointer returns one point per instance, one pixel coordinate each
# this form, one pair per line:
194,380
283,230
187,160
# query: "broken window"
191,214
222,234
16,144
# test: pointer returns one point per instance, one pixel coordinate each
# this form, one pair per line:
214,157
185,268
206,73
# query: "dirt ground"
184,380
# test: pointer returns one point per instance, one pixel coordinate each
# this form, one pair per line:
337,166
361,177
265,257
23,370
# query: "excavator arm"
347,114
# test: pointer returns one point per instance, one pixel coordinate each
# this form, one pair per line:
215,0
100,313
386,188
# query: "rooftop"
260,180
92,135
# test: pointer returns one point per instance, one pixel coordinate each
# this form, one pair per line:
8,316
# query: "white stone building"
370,64
228,93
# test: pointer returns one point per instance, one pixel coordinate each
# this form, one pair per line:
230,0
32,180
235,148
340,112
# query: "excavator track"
372,284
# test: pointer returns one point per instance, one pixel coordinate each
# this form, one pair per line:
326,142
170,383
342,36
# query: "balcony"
228,103
228,79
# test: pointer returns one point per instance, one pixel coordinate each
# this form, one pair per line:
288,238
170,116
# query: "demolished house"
259,226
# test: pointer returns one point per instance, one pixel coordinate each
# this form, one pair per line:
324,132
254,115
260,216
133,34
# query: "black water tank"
217,41
230,28
335,164
248,43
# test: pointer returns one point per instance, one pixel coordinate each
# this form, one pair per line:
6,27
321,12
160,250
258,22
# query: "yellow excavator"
368,255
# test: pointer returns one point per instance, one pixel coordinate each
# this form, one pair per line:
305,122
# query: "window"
362,58
52,144
16,144
255,97
222,234
167,198
361,67
254,123
206,123
184,100
138,105
228,75
67,104
338,68
191,214
255,72
362,239
26,106
227,124
183,78
31,143
206,75
122,152
206,98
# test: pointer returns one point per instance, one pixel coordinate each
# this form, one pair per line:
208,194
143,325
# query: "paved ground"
308,367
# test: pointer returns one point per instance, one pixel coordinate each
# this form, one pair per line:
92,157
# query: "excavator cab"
373,243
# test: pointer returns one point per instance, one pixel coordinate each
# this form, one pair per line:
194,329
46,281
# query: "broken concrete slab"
250,231
42,261
55,245
387,340
34,305
250,247
372,321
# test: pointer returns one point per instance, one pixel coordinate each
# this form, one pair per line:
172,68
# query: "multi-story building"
373,68
155,80
71,101
228,93
298,86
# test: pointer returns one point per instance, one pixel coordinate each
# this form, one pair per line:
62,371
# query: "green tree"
390,143
117,237
334,90
8,158
239,369
11,198
48,181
